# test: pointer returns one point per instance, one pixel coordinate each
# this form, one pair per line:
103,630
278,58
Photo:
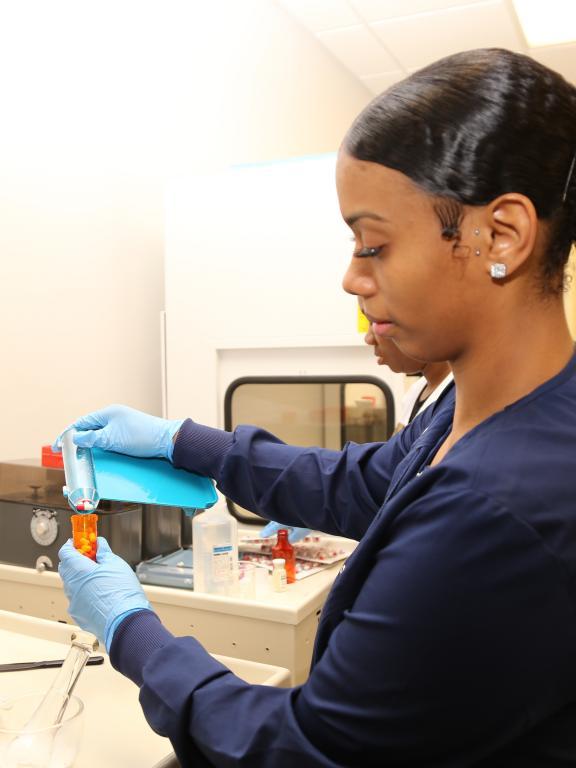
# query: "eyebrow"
351,220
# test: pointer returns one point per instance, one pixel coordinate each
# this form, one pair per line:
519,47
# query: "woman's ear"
513,224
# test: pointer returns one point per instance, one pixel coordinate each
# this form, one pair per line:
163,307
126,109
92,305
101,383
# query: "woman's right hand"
125,430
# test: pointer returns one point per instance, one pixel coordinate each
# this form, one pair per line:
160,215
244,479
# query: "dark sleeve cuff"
201,449
134,641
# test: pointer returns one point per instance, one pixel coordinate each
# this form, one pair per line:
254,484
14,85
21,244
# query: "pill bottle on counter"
284,549
215,551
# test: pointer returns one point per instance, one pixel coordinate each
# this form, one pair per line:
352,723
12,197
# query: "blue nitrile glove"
101,593
125,430
296,534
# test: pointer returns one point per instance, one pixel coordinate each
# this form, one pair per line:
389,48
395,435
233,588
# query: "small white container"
279,580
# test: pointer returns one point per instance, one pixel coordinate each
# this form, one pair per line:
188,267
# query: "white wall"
80,296
256,289
101,103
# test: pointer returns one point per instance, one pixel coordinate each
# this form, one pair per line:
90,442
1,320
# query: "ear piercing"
498,270
476,231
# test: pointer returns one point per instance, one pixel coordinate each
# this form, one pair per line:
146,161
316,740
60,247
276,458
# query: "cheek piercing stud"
498,270
476,231
477,252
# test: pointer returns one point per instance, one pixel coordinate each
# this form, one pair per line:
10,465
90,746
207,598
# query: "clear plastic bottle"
215,551
279,582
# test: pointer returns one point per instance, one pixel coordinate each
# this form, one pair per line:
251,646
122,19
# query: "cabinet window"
324,411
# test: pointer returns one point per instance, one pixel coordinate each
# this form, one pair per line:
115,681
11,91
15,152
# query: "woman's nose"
357,281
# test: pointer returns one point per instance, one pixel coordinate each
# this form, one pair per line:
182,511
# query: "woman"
433,378
450,637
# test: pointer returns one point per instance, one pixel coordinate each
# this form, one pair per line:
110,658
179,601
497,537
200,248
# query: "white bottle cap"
279,561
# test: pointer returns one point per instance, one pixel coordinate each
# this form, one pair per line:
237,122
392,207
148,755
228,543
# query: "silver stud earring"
476,231
498,270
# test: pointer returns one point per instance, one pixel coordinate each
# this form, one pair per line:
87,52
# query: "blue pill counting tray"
150,481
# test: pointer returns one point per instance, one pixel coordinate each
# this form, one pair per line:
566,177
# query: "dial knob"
44,526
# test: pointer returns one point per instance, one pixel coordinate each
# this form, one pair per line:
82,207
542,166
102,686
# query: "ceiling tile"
358,49
319,15
378,83
562,58
418,40
377,10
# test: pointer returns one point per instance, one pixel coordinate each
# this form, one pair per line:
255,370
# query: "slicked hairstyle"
473,126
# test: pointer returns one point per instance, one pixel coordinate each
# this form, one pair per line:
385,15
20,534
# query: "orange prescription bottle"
84,534
283,549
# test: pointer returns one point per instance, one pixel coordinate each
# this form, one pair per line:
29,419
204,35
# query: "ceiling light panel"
319,15
359,50
418,40
378,10
547,23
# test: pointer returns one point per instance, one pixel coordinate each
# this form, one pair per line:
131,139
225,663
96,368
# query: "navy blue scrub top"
449,638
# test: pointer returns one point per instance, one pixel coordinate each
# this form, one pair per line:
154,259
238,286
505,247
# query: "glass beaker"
55,746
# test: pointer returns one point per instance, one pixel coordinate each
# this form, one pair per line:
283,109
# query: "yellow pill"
86,548
92,537
84,541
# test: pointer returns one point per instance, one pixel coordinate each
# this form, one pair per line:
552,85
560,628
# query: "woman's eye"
367,252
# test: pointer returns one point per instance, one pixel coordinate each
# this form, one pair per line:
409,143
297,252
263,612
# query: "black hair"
474,126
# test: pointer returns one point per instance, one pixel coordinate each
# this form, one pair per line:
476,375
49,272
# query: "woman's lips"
383,328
